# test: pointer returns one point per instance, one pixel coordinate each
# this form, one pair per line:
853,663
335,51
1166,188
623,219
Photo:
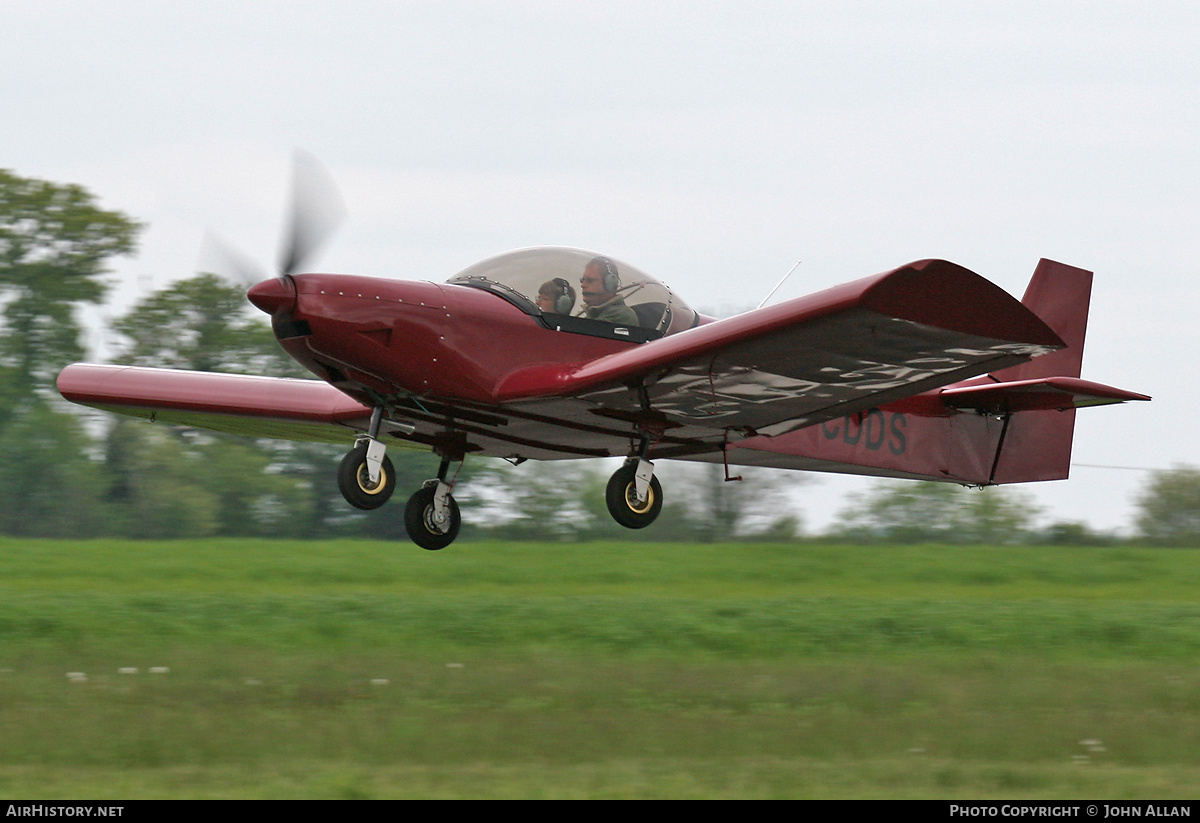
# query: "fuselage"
438,341
470,366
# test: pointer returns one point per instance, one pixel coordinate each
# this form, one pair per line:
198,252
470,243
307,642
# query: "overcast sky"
710,144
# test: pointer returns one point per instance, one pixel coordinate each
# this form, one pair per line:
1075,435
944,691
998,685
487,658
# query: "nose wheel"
432,523
366,479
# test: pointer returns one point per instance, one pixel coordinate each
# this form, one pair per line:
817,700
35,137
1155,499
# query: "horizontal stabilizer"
1039,394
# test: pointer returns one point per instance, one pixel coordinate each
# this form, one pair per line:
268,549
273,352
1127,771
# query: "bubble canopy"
545,282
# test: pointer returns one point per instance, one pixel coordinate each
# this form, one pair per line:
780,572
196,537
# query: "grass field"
296,670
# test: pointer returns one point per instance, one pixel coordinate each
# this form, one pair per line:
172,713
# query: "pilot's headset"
564,295
612,281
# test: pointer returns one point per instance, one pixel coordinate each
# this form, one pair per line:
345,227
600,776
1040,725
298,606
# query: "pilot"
556,296
599,286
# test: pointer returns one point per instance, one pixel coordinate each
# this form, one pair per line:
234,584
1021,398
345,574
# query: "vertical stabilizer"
1059,294
1037,445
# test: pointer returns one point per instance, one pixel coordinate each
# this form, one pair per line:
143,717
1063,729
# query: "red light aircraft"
927,371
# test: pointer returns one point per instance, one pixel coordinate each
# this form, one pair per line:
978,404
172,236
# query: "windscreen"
557,282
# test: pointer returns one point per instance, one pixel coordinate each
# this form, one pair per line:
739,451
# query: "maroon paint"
465,348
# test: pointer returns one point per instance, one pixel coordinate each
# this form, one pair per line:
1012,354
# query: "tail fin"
1037,444
1060,295
1013,426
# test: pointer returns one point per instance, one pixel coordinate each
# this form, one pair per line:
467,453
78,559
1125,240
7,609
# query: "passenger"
599,286
556,296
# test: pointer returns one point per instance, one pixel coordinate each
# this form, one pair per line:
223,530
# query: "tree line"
68,472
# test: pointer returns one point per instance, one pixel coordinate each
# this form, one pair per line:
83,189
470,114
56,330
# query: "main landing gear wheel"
421,522
354,481
623,505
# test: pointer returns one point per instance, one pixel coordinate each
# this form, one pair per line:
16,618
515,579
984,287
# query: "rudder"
1060,295
1037,444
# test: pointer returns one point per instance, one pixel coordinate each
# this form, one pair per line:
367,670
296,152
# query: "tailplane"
1012,426
1038,399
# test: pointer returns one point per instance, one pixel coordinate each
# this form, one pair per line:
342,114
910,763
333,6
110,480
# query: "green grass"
596,670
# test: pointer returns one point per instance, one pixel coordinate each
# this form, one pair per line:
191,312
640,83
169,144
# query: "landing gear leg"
366,478
431,516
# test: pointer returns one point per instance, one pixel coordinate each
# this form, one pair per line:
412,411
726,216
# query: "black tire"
354,481
418,520
620,495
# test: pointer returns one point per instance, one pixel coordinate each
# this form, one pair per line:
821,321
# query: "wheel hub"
435,522
364,480
636,505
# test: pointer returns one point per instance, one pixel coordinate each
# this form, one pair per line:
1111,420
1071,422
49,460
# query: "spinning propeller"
315,210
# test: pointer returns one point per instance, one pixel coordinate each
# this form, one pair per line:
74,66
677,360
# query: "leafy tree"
1074,533
169,482
152,493
1170,507
534,501
913,512
54,244
49,484
253,497
702,505
564,500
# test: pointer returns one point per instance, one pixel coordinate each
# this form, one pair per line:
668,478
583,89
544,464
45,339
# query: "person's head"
556,296
599,282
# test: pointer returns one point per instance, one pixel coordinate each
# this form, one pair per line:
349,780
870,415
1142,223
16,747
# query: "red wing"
309,410
850,348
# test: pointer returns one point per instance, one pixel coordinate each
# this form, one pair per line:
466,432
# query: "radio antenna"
777,285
